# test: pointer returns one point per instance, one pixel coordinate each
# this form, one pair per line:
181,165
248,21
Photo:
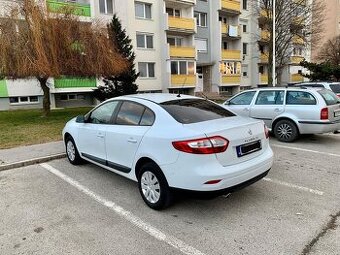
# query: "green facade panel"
3,88
75,83
77,9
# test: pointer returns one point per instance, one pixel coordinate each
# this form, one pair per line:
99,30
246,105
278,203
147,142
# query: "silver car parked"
289,112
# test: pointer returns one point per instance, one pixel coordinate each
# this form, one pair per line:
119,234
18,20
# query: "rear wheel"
153,187
286,131
72,152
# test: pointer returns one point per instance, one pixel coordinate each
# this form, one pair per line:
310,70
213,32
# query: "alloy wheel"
285,131
71,150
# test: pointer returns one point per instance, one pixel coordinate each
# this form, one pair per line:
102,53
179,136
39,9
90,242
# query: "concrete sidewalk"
32,154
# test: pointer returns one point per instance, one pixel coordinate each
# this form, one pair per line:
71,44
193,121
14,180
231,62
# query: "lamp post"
274,45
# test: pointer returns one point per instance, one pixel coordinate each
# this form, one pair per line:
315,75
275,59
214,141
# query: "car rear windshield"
188,111
329,96
335,88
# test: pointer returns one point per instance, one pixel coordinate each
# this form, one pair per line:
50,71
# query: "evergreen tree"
124,83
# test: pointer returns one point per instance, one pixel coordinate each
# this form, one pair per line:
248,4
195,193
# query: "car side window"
243,99
103,114
270,97
130,113
300,98
148,118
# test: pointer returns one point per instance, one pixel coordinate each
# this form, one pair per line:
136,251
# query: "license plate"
248,148
336,113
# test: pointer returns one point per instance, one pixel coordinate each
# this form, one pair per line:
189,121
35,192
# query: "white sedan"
171,142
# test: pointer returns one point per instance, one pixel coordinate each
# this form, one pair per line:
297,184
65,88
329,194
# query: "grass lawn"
25,127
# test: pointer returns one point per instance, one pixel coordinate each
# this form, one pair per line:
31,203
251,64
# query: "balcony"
298,40
185,2
3,89
225,30
295,60
182,52
180,80
78,9
264,58
265,35
296,77
234,79
181,24
264,78
231,55
231,6
75,83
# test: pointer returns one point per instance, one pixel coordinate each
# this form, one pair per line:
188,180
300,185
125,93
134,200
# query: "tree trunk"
279,76
46,100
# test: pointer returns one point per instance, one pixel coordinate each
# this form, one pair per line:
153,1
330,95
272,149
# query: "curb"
31,161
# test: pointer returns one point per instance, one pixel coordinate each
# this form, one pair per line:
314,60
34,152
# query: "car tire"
286,131
154,187
72,152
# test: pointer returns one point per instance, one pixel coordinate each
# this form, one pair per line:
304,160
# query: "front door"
92,134
241,103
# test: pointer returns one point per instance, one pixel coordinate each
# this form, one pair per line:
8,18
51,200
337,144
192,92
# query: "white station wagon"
168,142
289,112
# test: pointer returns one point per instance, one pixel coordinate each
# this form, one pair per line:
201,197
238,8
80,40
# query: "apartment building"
185,46
331,26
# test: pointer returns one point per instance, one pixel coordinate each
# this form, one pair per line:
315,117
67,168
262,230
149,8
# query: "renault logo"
250,132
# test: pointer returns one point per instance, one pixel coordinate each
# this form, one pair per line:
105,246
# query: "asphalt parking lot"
57,208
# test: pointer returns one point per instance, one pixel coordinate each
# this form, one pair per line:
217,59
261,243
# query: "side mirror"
227,102
80,119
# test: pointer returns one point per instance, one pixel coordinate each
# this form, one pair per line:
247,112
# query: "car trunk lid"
246,137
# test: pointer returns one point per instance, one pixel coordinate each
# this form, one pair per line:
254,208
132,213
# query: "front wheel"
153,187
286,131
72,152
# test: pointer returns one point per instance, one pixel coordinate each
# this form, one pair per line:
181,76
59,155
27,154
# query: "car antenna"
179,91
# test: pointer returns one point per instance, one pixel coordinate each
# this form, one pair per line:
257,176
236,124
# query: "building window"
201,45
245,71
230,68
146,70
244,28
144,41
175,41
201,19
24,100
143,10
106,6
245,48
182,67
173,12
245,5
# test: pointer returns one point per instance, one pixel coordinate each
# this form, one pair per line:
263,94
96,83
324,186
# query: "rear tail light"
266,131
210,145
324,114
338,95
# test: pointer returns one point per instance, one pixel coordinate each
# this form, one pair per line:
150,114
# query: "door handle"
131,140
277,110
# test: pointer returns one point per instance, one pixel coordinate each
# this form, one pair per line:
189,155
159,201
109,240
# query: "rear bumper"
315,127
188,175
216,193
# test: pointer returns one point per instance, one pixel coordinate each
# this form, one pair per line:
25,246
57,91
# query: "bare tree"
296,21
36,43
330,52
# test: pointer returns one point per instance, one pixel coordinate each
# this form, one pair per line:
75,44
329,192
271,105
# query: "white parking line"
127,215
305,150
290,185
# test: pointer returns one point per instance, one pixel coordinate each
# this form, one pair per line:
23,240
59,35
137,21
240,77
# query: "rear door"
268,104
124,137
241,103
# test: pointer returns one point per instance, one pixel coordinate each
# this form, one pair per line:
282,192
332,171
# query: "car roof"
160,97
